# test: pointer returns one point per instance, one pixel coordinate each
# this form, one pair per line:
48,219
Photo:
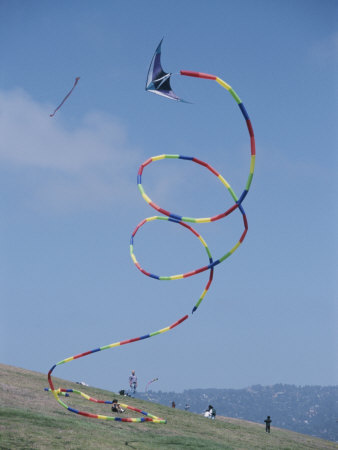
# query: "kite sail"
72,89
158,81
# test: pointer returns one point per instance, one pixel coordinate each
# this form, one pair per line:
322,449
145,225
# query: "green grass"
30,418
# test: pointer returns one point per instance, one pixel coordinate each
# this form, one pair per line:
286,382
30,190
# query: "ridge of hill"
31,418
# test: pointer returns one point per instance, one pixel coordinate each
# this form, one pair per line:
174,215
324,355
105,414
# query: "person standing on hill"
133,382
267,424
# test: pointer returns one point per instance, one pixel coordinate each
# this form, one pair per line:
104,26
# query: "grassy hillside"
31,419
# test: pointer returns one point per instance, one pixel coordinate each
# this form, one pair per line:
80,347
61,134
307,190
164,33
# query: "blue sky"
70,201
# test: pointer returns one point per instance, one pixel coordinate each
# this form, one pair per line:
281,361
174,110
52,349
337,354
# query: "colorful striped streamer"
65,392
180,220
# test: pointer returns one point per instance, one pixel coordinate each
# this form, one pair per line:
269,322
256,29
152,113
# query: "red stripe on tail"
189,73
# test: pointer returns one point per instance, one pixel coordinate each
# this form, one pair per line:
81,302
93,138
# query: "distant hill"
30,418
310,410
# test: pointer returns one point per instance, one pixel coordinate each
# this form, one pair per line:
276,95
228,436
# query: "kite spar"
158,82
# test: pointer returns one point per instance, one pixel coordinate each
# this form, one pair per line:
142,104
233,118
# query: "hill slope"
309,410
30,418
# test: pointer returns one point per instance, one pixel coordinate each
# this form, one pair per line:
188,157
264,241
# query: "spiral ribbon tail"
186,223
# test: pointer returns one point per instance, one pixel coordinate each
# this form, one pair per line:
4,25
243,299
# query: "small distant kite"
149,382
158,81
72,89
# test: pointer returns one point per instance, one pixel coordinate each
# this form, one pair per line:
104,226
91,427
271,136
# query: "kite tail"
61,391
69,93
182,221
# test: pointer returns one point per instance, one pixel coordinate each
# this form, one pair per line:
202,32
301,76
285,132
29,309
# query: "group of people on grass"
210,412
116,407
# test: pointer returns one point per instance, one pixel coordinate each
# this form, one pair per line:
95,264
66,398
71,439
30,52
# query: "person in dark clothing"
213,413
267,424
116,407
